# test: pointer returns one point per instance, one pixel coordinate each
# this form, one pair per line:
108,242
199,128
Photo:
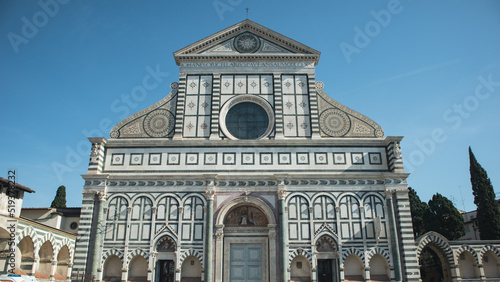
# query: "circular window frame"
241,99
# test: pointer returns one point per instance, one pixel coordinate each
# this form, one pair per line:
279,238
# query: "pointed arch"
112,268
489,247
136,252
299,252
380,251
352,250
111,252
27,232
193,253
326,230
467,248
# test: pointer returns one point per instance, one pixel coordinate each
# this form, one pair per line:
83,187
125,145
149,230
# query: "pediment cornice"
292,47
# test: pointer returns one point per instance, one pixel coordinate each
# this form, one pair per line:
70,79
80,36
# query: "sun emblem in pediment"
246,43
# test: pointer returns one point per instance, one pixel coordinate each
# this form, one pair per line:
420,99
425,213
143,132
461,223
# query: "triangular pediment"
246,39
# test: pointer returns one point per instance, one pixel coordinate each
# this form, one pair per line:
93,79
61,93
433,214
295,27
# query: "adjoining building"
44,238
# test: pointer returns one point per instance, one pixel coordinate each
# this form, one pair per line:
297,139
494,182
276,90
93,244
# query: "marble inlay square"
136,159
284,158
117,159
320,158
210,158
302,158
287,84
193,84
155,158
375,158
357,158
266,158
301,84
173,158
266,82
240,84
192,158
339,158
247,158
253,84
229,158
303,126
227,84
206,85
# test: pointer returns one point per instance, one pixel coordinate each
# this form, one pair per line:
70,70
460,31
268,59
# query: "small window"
73,225
299,265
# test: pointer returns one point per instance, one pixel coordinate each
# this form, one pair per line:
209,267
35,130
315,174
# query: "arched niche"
25,250
112,271
138,269
63,261
467,266
379,268
491,265
353,268
300,269
46,254
191,269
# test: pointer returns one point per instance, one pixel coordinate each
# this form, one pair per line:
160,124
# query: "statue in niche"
245,216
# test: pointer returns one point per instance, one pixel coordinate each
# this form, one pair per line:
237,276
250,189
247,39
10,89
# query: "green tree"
488,215
60,198
444,218
417,208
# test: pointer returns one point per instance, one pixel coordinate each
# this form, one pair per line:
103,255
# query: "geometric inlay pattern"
159,123
334,122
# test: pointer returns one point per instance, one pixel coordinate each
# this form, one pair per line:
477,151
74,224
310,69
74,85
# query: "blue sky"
425,70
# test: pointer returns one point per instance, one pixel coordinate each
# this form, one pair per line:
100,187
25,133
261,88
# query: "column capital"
210,193
101,195
281,194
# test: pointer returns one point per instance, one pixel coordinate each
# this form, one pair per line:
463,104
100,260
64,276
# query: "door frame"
258,235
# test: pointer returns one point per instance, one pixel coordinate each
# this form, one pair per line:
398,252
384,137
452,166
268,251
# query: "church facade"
246,171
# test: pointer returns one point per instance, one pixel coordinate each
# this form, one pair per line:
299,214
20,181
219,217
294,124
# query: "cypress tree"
444,218
60,198
417,208
488,215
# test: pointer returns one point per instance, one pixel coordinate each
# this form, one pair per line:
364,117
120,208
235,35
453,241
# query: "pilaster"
210,193
283,231
97,246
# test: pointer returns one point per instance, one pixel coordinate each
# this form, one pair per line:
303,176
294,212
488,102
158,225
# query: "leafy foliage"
60,198
442,217
488,215
417,208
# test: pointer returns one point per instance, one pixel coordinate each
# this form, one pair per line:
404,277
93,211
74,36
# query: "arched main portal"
246,241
